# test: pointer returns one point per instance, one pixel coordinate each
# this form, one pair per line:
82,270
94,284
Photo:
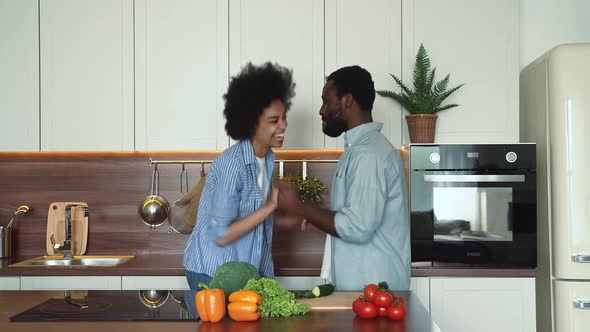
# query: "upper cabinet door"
290,33
367,33
19,75
86,74
477,43
181,73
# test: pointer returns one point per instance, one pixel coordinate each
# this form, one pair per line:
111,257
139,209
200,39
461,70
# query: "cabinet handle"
584,305
581,258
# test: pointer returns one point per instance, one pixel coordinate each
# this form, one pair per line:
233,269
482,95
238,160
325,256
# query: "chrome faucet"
67,248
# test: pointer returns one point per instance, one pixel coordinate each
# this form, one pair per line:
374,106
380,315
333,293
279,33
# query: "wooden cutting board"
56,225
334,301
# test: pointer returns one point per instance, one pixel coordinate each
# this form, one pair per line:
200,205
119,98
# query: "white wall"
545,24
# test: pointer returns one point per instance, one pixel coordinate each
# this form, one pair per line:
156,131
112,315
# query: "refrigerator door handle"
581,258
580,304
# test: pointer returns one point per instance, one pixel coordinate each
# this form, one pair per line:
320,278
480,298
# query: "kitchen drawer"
71,283
154,282
9,283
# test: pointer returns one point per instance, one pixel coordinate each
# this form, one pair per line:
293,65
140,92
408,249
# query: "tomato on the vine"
382,312
399,300
382,299
369,291
356,303
396,312
367,310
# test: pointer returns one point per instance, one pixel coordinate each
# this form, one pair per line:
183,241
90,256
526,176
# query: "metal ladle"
21,209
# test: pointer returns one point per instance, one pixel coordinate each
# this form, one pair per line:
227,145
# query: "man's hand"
286,220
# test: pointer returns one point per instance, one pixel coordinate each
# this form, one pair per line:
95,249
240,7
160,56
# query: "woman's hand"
274,197
289,198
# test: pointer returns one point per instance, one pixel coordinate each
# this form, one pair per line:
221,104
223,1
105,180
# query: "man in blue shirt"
368,229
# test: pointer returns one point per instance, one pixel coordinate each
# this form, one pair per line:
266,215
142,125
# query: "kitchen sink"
75,261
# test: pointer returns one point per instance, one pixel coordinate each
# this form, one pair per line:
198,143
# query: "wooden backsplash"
113,184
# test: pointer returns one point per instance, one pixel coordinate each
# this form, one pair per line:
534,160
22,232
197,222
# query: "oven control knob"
434,158
511,157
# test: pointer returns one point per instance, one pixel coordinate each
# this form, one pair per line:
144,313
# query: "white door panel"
571,305
569,120
289,33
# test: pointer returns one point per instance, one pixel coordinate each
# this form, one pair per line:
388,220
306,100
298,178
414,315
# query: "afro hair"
250,92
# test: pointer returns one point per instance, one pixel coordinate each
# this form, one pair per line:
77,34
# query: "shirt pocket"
249,202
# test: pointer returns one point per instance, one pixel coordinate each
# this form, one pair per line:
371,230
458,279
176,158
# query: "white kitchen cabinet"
483,304
9,283
19,75
477,42
154,282
290,33
86,85
374,44
181,74
70,283
421,287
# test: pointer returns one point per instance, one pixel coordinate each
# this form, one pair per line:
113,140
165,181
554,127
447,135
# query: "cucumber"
304,294
323,290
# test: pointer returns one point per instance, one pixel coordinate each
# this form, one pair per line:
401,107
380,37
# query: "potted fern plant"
424,100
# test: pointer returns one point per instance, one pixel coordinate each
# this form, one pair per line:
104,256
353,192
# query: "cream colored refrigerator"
555,113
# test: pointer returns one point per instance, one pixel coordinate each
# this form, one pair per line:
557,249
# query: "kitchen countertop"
171,265
417,320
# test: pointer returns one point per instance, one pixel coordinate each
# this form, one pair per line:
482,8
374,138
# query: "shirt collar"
353,135
248,152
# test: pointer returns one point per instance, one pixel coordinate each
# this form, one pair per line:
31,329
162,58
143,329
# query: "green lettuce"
276,301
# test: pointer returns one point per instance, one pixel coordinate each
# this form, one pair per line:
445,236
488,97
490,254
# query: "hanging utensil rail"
279,161
208,161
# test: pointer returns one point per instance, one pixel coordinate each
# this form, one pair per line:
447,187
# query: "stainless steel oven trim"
474,178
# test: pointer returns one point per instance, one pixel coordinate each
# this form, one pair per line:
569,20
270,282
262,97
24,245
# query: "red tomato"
367,310
355,305
382,299
382,312
396,312
369,291
399,300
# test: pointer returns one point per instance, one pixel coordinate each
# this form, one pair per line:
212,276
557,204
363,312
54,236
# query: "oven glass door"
461,207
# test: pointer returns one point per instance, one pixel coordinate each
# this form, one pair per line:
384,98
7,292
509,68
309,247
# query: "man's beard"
334,126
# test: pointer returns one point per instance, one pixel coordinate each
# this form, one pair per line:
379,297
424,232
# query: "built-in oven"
473,204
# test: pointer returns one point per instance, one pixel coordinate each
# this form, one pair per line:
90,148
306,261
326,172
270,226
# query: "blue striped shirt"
231,192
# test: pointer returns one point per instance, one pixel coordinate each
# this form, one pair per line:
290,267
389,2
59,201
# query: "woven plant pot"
421,127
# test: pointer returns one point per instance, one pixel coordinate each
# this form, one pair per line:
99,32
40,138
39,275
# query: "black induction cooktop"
105,306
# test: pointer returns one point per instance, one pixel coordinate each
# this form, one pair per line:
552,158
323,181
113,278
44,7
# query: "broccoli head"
233,276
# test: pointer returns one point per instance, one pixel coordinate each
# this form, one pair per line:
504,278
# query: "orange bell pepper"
210,304
245,295
243,305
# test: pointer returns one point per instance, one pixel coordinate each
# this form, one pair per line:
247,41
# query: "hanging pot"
153,298
153,210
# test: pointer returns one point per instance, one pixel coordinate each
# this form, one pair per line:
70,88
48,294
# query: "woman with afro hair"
236,212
